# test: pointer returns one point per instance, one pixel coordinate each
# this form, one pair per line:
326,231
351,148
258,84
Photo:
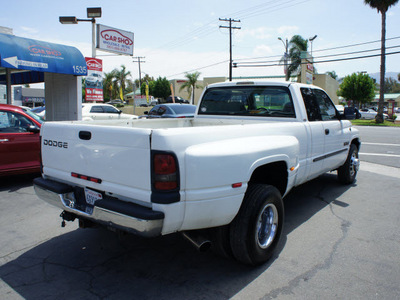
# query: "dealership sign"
94,80
114,40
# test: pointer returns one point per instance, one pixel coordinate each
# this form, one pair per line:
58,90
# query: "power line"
324,56
321,50
354,45
321,61
200,68
277,62
257,10
208,28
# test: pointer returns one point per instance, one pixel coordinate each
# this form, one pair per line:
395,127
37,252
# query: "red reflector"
169,185
237,185
84,177
164,164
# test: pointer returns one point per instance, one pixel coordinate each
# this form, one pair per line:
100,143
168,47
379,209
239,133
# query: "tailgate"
118,156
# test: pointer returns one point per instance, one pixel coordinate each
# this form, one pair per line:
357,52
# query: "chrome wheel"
267,224
354,163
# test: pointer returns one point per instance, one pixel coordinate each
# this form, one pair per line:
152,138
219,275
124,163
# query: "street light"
311,39
285,56
92,14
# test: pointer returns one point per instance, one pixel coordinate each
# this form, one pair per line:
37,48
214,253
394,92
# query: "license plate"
92,196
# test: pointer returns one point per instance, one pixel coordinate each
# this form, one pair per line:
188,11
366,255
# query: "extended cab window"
252,100
318,105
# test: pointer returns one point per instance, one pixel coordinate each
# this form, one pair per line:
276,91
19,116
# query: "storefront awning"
29,59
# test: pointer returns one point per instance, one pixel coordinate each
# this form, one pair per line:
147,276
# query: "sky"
180,36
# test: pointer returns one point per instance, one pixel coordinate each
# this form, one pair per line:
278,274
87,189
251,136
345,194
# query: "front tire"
348,172
256,230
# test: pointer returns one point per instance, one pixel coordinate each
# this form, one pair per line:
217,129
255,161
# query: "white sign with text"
114,40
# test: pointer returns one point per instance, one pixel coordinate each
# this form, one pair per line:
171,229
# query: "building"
3,94
28,96
387,98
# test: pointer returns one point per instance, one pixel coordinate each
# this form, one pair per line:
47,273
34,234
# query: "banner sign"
94,80
114,40
38,56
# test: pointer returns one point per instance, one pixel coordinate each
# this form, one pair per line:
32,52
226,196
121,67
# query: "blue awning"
18,53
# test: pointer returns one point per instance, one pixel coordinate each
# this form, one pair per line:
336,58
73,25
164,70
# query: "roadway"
339,242
381,145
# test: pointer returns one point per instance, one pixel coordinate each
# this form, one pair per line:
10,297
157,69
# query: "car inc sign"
114,40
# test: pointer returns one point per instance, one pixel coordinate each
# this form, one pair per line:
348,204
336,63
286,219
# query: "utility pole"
138,60
230,41
286,55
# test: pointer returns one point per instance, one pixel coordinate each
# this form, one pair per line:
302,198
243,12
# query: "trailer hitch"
66,216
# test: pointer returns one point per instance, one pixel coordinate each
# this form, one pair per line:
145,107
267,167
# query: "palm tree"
296,45
191,84
108,83
122,78
382,6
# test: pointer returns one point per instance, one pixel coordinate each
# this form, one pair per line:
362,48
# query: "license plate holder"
92,196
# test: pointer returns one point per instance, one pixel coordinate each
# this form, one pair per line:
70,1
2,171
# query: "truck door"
328,150
316,131
335,149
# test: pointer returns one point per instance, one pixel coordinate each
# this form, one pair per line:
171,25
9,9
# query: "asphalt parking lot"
339,242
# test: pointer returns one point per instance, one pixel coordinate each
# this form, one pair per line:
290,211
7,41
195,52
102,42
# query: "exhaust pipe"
196,239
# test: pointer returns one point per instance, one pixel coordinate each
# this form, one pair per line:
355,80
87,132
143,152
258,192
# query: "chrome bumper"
126,216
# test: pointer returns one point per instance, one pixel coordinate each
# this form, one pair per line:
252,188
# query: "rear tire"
220,240
348,172
256,230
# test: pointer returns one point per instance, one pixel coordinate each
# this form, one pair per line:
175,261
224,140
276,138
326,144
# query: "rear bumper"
109,211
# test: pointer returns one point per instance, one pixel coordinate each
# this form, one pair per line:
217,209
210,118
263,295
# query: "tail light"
165,172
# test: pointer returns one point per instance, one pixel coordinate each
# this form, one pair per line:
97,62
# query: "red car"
19,140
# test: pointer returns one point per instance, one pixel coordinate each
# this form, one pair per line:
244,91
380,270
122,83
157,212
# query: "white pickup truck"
218,177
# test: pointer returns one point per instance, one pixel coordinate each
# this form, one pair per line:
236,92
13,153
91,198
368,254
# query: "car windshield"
34,116
254,100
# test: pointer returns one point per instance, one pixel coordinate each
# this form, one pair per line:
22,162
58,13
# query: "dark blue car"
172,110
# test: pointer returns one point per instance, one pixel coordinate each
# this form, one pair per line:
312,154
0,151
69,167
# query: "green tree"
108,85
83,80
191,84
332,74
391,86
147,79
162,88
296,45
122,79
382,6
358,87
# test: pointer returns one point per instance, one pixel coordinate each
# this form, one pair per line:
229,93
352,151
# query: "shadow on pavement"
15,182
96,263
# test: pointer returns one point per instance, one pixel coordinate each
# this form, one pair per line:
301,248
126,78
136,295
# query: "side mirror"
33,128
146,112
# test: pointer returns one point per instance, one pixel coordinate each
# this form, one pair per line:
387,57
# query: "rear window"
260,101
184,109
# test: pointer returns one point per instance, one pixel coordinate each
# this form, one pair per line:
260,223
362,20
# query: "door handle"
3,140
326,131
